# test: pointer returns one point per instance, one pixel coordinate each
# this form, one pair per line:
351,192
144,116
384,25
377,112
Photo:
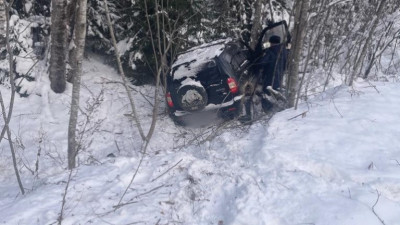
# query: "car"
204,81
210,80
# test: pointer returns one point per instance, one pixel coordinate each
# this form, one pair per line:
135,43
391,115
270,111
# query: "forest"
83,83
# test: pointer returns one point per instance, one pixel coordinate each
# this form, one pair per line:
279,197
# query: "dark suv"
204,80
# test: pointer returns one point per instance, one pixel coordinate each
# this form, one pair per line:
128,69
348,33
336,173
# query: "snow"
124,45
333,161
28,6
191,82
190,62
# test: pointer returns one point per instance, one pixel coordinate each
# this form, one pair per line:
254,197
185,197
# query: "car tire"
192,97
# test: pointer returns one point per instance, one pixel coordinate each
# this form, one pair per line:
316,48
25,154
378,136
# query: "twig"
116,144
374,86
125,80
303,114
167,170
373,207
60,218
348,189
144,148
397,161
30,69
337,110
133,202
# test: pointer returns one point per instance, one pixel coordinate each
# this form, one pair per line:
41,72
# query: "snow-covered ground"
333,161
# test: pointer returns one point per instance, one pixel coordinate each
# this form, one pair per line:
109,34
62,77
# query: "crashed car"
205,81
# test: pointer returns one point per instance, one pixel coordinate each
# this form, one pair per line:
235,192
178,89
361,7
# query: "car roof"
190,62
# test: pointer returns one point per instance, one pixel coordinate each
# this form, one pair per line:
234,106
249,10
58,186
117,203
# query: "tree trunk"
7,117
76,64
71,20
301,14
58,46
257,24
2,24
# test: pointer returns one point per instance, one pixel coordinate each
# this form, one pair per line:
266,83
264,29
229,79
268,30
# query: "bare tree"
2,24
58,50
76,64
257,24
161,47
300,17
121,71
359,60
7,116
322,14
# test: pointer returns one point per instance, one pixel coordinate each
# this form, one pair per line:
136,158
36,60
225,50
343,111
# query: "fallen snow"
334,161
192,61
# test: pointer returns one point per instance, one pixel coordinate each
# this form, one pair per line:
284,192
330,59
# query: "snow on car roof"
189,63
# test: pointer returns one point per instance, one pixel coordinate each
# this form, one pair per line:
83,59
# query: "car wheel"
192,97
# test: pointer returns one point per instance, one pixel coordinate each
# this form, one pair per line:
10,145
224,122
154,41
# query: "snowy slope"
338,164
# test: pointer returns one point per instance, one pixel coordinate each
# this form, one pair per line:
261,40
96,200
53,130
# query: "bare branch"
373,207
303,114
61,216
121,71
7,118
132,202
167,170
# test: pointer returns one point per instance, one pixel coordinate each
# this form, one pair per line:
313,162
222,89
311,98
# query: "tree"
7,115
57,69
257,24
2,24
301,15
76,58
361,57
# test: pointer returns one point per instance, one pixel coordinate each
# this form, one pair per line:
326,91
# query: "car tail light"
169,100
232,85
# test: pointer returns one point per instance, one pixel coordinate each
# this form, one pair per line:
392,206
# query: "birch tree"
76,58
300,14
257,24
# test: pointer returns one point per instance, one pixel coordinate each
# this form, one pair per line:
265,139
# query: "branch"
132,202
7,118
374,86
167,170
144,148
121,70
373,207
60,218
303,114
397,161
11,66
337,110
